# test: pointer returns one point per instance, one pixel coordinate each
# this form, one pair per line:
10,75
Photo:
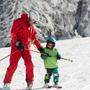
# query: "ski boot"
47,85
29,86
57,86
6,86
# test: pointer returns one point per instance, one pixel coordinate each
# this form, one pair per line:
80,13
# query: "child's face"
50,45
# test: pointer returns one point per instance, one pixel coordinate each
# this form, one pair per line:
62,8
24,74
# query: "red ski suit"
24,31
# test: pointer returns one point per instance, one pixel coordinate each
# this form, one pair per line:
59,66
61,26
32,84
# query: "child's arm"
58,56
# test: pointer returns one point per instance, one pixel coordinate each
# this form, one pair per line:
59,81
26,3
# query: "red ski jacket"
23,31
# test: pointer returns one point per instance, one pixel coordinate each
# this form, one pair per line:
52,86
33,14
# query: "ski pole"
7,56
61,58
34,51
67,59
15,52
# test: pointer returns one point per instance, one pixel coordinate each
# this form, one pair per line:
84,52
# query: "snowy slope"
73,76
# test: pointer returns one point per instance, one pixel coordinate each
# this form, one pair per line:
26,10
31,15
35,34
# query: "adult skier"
22,33
50,62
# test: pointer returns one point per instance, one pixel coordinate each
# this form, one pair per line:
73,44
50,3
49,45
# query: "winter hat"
34,15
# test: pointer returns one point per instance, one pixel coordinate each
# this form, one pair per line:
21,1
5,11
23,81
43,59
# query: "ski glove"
19,45
44,56
58,56
41,50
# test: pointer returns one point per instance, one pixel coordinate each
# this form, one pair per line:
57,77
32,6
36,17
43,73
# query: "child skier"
50,58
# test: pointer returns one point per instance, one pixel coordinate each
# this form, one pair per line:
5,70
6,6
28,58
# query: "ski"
48,87
58,87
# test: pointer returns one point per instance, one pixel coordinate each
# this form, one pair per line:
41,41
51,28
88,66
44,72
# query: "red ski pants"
14,58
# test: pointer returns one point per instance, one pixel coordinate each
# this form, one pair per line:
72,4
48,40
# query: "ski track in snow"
73,76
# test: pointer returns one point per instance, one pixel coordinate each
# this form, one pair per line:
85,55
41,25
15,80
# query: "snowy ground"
73,76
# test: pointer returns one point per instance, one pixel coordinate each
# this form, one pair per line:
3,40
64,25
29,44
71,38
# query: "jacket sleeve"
34,39
58,56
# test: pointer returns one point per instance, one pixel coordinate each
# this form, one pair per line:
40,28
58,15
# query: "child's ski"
58,87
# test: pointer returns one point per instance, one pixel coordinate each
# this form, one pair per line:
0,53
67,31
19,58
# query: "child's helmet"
51,39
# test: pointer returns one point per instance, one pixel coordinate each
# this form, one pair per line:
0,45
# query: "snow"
73,75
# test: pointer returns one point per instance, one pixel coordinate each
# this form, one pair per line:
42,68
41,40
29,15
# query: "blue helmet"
51,39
